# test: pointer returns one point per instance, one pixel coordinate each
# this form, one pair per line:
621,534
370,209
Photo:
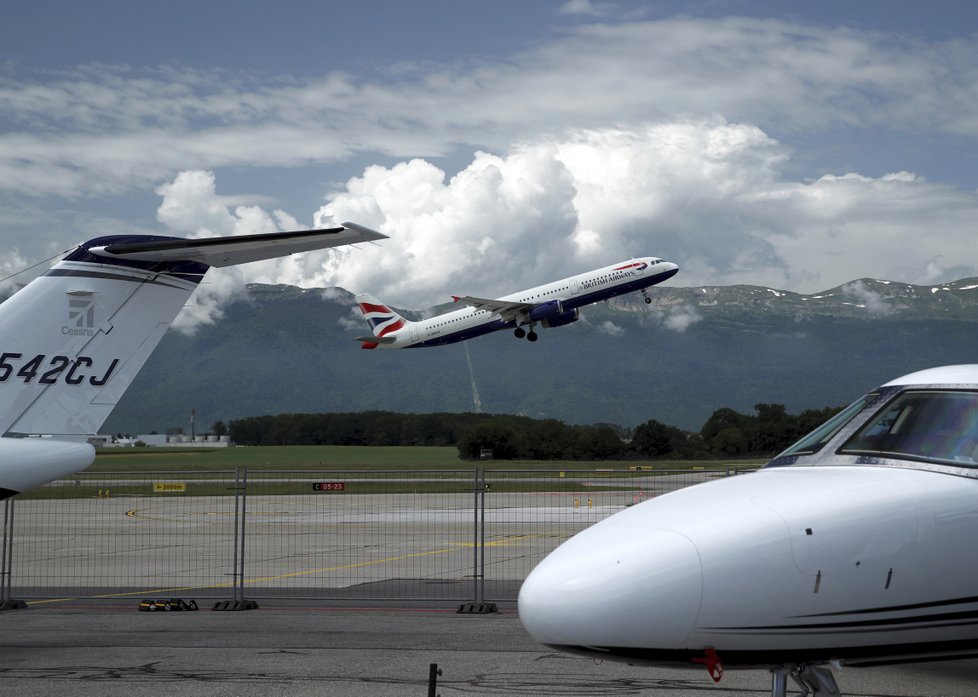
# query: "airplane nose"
614,586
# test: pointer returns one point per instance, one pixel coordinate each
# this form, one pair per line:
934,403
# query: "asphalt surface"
111,648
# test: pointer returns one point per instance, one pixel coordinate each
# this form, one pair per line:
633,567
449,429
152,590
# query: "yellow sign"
168,487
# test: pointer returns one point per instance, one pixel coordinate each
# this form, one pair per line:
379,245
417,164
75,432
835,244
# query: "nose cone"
615,585
670,270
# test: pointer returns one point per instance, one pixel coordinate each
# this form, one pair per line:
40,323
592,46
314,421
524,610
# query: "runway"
111,649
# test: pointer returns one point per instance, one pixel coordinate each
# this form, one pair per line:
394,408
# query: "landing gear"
519,333
645,294
532,336
816,681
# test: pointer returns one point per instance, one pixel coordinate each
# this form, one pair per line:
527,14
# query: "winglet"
456,298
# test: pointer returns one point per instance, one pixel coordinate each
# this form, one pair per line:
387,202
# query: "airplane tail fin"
74,338
383,321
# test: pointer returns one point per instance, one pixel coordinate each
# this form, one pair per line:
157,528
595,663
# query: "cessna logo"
81,317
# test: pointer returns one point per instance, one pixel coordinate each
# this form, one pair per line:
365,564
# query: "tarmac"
66,645
110,648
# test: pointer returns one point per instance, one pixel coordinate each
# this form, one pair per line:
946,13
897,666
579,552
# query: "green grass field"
285,470
277,458
312,457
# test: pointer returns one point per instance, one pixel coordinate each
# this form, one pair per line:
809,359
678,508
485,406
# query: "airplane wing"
241,249
506,309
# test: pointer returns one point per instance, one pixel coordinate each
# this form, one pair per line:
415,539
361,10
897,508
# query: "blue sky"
502,144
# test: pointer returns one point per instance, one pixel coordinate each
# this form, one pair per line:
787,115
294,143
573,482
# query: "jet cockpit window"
817,439
935,426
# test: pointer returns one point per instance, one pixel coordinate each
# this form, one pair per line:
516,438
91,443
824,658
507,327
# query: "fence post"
237,513
7,560
475,535
478,604
4,563
239,590
240,509
481,597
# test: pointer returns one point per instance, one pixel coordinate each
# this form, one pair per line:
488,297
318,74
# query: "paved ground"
109,649
417,546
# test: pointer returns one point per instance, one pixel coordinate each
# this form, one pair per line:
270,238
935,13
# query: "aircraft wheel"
519,333
532,336
648,301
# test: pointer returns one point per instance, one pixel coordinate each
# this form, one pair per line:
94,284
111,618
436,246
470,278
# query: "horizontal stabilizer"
377,339
229,251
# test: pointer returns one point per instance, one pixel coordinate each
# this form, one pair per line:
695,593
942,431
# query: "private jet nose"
614,585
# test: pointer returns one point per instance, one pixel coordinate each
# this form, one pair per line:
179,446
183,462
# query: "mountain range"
282,349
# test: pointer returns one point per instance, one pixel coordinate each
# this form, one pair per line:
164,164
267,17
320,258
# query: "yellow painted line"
109,596
356,565
499,543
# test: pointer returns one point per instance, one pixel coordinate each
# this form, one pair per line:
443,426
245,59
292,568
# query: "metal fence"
461,535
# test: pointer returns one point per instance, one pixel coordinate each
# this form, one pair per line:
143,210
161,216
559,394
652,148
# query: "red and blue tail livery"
551,305
382,320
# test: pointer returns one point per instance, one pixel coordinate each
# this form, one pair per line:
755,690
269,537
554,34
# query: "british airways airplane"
74,338
856,546
551,305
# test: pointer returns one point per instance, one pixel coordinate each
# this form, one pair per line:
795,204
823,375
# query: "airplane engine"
546,311
561,319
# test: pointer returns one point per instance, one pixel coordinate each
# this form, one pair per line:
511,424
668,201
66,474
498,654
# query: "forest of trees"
726,434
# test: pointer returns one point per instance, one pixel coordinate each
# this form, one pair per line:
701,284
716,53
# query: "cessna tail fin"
74,338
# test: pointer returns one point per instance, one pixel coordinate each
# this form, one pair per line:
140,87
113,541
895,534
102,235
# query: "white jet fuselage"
836,552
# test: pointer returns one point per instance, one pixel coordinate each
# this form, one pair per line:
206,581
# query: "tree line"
725,434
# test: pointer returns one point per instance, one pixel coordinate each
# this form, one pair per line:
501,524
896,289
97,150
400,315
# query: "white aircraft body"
75,337
856,546
551,305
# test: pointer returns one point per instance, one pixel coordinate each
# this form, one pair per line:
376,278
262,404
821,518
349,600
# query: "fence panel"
383,534
458,535
125,534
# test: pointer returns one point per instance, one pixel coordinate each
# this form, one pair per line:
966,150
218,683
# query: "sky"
500,145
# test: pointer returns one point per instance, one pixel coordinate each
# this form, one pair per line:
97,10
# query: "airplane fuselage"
793,565
571,293
857,546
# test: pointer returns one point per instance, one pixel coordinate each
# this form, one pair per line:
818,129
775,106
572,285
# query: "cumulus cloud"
681,318
13,273
498,220
867,297
550,209
610,328
710,195
191,207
